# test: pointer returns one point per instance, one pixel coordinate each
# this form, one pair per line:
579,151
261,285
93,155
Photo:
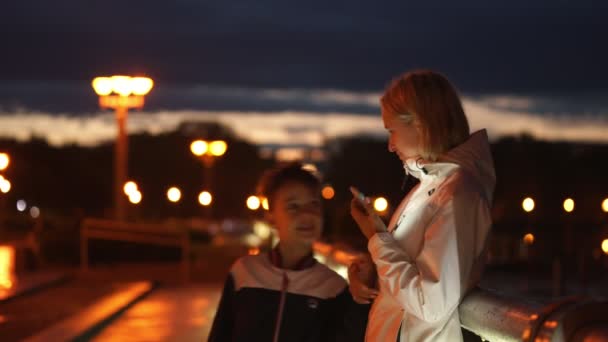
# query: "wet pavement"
169,313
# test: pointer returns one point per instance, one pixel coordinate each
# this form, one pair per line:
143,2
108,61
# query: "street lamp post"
121,93
207,151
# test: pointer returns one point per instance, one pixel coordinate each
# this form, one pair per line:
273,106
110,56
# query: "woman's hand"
362,280
362,212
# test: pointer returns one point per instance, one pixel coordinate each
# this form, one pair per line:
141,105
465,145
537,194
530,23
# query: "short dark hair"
272,180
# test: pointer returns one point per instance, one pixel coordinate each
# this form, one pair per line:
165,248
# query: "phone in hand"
361,199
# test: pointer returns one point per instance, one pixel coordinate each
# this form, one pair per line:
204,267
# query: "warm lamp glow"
218,148
174,194
5,185
205,198
380,204
328,192
102,86
135,197
529,239
5,160
141,85
130,187
199,147
253,202
528,204
121,85
569,205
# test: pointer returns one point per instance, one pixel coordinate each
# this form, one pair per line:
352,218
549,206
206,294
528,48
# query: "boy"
285,294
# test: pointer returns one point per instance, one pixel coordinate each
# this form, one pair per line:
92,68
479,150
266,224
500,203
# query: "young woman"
432,251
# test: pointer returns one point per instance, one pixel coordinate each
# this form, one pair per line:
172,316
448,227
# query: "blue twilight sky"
538,67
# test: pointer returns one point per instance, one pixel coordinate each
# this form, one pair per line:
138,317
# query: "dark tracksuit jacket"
263,302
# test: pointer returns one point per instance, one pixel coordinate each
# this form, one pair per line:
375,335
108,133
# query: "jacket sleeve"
430,285
223,323
348,319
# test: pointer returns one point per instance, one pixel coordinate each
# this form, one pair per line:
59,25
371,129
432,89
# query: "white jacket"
434,250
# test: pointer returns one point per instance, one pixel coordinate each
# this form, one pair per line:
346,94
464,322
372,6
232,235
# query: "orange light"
130,187
174,194
605,205
265,203
5,185
605,246
141,85
199,147
253,202
528,204
121,85
7,264
328,192
529,239
135,197
5,160
102,86
569,205
254,251
380,204
218,148
205,198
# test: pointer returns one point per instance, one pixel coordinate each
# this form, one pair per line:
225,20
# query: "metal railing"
496,317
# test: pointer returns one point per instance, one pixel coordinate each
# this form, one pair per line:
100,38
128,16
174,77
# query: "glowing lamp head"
218,148
253,202
5,160
380,204
102,86
199,147
141,85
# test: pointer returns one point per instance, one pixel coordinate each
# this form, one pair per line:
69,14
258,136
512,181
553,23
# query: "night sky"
484,46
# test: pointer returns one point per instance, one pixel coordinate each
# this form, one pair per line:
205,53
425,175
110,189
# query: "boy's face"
296,213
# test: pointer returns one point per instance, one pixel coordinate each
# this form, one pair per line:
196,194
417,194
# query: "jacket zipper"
277,328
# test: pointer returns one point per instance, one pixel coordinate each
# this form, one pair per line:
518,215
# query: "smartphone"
360,199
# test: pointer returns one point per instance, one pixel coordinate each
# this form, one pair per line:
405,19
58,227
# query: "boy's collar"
277,260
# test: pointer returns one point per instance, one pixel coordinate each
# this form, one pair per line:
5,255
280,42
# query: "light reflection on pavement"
169,313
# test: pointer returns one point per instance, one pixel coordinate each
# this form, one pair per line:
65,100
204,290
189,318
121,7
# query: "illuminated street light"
380,204
5,160
265,205
605,205
253,202
135,197
205,198
130,187
121,93
528,204
569,205
529,239
605,246
218,148
5,185
328,192
174,194
207,152
199,147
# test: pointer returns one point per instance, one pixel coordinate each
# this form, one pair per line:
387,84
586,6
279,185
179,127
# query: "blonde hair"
428,98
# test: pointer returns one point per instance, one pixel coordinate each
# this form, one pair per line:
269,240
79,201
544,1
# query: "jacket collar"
277,260
473,156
